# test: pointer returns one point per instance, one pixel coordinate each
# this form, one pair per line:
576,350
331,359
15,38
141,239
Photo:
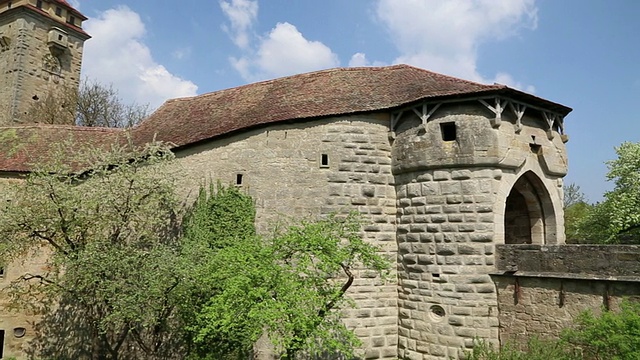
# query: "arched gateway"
529,214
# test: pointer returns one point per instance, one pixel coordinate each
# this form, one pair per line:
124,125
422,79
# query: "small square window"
72,20
58,11
324,160
448,131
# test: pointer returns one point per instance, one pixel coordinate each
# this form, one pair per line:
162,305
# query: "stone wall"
311,169
454,175
542,289
29,70
445,253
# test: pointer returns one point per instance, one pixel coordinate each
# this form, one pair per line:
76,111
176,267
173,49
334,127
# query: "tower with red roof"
41,44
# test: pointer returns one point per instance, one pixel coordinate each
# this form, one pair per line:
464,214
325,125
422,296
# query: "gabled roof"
333,92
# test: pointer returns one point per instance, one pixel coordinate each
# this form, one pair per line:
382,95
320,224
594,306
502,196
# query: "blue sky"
583,54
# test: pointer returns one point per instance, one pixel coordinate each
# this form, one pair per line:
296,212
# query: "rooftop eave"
28,8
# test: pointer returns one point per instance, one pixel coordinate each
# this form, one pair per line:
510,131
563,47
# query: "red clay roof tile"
333,92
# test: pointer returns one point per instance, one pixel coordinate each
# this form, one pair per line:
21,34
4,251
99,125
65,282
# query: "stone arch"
529,216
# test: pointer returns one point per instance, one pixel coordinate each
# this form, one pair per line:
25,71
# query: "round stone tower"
41,43
470,173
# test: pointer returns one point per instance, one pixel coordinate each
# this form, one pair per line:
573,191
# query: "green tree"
576,209
289,287
110,236
617,218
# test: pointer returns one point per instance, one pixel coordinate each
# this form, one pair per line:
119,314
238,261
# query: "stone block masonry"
542,289
445,253
309,170
29,69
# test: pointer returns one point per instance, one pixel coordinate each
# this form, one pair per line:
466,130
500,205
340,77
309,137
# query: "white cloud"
281,52
506,79
444,36
117,55
242,14
358,59
284,51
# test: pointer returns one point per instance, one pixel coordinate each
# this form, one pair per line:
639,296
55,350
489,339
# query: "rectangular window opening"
324,160
72,20
1,344
448,131
238,179
39,4
58,11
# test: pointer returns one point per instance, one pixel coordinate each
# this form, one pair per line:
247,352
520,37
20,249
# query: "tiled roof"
23,146
186,121
322,93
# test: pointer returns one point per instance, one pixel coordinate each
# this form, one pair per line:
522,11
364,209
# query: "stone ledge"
587,261
569,276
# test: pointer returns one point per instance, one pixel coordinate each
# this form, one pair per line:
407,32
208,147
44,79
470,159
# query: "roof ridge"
334,70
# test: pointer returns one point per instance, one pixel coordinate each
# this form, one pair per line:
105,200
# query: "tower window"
72,20
39,4
1,344
58,11
324,160
239,179
448,131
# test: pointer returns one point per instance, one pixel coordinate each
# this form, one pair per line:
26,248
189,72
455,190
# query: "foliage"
534,349
220,221
576,210
92,105
125,276
573,195
110,240
611,335
617,218
289,287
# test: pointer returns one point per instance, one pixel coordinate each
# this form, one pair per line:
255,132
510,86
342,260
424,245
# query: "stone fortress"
460,182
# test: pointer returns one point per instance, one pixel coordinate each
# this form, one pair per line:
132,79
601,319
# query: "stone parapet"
570,261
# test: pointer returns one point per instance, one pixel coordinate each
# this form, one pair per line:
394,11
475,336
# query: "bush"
611,335
535,349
